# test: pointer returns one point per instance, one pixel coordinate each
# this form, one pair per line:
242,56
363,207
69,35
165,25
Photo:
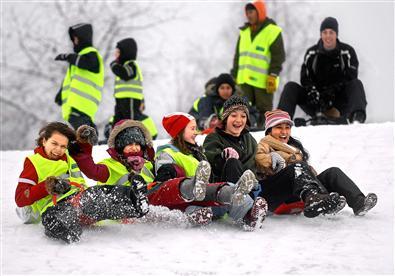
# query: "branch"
20,108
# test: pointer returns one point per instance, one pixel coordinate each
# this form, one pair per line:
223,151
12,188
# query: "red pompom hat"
175,122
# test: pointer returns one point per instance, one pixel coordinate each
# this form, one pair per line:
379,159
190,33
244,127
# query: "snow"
341,244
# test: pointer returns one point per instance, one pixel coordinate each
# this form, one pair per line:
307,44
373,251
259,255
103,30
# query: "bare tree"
31,77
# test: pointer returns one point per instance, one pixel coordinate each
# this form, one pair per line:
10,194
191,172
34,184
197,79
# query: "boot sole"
201,217
325,206
370,202
243,187
258,212
203,172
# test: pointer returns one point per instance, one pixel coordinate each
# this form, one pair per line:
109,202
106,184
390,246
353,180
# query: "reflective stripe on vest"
118,174
60,168
187,162
131,88
255,56
82,89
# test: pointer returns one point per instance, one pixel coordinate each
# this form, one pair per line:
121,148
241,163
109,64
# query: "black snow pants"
351,98
63,221
287,185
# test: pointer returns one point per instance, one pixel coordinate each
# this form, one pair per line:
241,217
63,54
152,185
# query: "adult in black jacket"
329,80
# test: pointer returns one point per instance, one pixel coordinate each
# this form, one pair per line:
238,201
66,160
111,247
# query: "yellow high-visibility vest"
119,174
132,88
82,89
255,56
59,168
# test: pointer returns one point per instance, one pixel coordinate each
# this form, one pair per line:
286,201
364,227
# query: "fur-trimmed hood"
126,124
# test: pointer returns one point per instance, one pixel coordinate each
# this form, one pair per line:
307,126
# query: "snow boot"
255,217
243,186
365,204
340,206
316,203
194,188
61,222
138,195
200,216
202,177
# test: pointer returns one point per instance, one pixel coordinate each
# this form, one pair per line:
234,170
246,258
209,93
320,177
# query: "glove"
137,182
229,153
62,57
313,97
278,163
74,148
58,98
57,186
166,172
87,134
136,162
271,84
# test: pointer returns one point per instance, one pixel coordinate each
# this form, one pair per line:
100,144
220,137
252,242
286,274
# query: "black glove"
74,148
166,172
313,97
62,57
87,134
137,182
57,186
58,98
327,98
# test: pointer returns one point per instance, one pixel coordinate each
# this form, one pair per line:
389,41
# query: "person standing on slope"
82,86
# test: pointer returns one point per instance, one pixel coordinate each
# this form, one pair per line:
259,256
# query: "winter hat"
330,23
224,78
83,31
260,7
235,103
128,49
175,122
126,132
276,117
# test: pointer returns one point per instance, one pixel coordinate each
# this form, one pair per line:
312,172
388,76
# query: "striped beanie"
276,117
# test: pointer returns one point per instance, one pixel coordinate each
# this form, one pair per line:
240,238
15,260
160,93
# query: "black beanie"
128,136
330,23
225,78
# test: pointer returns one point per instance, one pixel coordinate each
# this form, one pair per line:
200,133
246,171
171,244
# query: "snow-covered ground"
341,244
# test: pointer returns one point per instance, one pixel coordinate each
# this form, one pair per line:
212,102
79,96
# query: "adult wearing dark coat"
231,149
329,80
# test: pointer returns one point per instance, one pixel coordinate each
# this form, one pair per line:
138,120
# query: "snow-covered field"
341,244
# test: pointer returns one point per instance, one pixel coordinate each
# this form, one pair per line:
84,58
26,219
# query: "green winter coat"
215,143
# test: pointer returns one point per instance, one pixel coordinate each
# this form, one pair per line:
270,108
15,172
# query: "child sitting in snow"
130,163
182,156
282,160
51,189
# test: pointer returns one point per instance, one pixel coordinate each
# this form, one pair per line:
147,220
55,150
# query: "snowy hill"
341,244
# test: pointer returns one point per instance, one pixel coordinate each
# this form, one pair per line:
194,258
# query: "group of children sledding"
229,175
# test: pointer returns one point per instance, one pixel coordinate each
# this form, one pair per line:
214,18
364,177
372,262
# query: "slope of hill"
341,244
